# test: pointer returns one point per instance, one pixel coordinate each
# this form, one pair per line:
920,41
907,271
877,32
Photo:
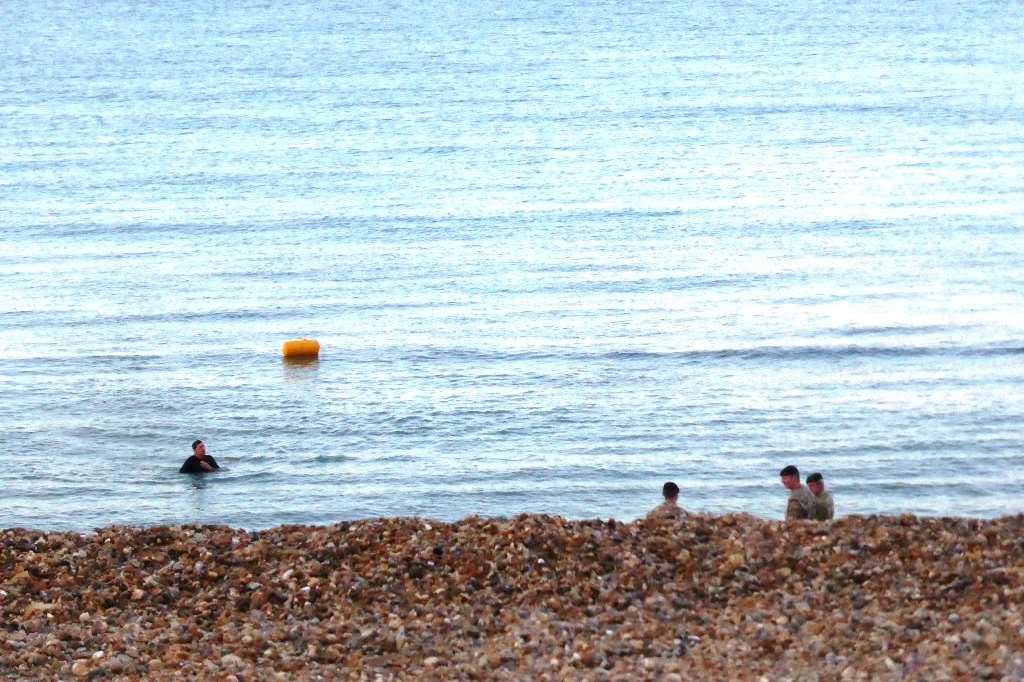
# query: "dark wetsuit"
191,465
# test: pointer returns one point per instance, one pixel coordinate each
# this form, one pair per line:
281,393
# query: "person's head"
790,477
670,491
816,483
198,448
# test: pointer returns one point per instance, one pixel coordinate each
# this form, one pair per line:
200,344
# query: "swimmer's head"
198,448
670,491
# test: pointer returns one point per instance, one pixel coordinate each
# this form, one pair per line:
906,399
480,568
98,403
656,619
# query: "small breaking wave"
751,353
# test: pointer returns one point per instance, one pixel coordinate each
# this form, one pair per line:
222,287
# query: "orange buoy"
300,348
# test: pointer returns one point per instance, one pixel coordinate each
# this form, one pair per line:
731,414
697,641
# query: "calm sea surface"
556,253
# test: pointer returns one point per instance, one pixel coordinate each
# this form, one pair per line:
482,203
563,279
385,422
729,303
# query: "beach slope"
534,597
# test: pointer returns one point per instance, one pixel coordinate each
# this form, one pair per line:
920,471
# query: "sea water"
556,254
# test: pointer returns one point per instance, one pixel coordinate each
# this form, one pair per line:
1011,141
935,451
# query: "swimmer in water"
199,462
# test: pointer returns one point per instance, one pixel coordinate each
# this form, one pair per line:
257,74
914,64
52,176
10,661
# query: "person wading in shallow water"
824,508
669,509
199,462
801,501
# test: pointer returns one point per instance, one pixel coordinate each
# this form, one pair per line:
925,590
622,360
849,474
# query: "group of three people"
805,503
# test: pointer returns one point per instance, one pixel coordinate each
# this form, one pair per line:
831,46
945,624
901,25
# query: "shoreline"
529,597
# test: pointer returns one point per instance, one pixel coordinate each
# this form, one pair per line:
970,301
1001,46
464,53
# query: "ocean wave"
321,459
50,318
660,284
751,353
816,352
295,463
825,352
897,329
779,353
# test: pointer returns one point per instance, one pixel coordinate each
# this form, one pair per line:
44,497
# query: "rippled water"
555,253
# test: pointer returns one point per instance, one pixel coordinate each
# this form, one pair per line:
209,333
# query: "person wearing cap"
801,502
824,508
669,509
199,462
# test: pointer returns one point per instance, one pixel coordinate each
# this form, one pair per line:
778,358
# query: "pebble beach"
532,597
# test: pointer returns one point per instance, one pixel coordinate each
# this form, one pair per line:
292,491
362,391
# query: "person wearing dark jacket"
199,462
